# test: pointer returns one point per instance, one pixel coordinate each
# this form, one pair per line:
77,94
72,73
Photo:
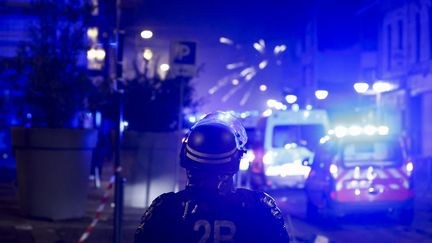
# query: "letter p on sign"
182,58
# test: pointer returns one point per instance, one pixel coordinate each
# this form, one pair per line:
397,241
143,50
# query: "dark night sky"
338,21
276,21
242,18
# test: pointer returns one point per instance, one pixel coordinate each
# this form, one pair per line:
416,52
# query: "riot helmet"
215,144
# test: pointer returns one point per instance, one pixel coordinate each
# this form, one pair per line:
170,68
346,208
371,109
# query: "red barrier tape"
100,208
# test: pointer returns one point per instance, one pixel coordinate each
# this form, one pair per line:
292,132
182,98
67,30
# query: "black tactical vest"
195,215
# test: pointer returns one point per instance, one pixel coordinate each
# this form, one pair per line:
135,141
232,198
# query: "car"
365,172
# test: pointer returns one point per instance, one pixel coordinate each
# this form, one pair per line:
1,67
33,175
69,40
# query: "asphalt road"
354,228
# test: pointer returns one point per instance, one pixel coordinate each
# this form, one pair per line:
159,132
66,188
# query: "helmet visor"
229,120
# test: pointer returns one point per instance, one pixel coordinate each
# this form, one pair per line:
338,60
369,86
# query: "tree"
152,104
47,67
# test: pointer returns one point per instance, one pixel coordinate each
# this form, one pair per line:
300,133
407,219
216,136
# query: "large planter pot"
53,166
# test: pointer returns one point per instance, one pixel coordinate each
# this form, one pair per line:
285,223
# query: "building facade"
405,59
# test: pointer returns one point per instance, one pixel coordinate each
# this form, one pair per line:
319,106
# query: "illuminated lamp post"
146,34
95,58
320,94
361,87
291,99
163,70
147,56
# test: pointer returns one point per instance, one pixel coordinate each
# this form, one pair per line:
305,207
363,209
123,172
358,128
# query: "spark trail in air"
243,74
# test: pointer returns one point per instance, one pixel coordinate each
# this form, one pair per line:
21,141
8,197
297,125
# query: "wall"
153,168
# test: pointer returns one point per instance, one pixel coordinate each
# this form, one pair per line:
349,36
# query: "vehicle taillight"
333,169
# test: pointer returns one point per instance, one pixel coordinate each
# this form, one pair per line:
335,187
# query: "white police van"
287,139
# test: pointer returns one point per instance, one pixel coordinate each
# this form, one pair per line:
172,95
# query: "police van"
283,140
361,169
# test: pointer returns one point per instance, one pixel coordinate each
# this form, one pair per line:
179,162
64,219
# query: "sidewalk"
15,227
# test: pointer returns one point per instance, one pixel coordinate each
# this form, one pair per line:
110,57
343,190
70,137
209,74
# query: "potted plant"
53,154
151,142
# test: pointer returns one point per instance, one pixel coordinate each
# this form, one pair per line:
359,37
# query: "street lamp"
381,87
164,67
92,33
271,103
378,88
147,54
263,87
361,87
291,99
95,58
146,34
226,41
321,94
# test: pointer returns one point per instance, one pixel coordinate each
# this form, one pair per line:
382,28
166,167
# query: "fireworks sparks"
244,72
226,41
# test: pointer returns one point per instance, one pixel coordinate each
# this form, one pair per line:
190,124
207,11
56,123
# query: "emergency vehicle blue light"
383,130
340,131
355,130
370,130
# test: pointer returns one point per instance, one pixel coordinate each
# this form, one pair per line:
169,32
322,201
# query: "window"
358,153
418,36
430,31
400,34
389,46
306,135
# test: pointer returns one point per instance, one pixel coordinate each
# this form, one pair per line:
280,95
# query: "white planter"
53,166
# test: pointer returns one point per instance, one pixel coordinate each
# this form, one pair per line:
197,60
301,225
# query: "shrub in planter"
53,155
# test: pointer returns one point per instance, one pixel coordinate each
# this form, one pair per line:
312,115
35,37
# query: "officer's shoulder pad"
267,199
256,195
270,203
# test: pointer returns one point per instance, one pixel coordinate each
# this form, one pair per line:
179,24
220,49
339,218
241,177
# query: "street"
353,228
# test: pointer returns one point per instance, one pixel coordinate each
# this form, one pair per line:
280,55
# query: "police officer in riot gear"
210,209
